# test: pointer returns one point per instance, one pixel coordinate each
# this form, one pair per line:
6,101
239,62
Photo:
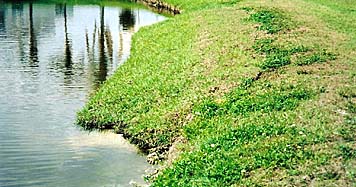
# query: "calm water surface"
51,57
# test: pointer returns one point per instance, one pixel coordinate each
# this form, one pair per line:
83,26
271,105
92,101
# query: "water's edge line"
160,5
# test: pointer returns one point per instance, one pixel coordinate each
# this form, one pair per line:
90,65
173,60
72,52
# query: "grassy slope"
191,79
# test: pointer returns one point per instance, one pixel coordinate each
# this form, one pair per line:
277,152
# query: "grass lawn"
234,93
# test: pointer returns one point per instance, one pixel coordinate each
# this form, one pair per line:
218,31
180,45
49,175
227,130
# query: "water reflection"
127,19
17,8
104,51
102,55
51,57
59,9
67,43
33,42
2,18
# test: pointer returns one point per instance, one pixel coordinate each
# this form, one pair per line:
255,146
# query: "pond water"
51,57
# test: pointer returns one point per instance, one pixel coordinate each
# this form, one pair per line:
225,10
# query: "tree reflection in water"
127,19
2,18
17,7
67,44
99,44
33,54
102,40
103,69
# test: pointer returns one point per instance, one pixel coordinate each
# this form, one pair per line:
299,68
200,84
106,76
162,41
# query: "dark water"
51,57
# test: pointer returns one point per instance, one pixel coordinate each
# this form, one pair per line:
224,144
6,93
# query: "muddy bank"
160,6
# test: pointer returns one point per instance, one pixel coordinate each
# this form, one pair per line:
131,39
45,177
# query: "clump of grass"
275,56
347,152
245,101
265,46
351,107
278,56
277,59
271,20
274,21
246,83
316,57
348,129
329,175
242,102
270,101
348,92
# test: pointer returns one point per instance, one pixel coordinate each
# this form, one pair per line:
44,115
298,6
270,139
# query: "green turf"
249,93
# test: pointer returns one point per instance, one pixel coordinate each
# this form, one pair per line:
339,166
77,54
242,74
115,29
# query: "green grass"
195,5
240,93
242,102
272,21
318,57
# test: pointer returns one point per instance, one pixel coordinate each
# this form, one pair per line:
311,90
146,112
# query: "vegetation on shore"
240,93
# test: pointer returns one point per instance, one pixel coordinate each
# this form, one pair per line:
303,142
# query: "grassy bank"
240,93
